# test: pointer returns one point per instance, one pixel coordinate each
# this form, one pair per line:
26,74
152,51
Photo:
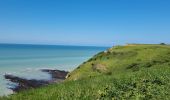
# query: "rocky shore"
56,74
25,84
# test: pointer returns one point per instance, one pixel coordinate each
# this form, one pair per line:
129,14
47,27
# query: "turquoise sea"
27,60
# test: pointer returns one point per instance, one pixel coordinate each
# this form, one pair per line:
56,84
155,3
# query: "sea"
26,60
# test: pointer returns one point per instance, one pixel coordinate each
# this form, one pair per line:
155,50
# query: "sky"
84,22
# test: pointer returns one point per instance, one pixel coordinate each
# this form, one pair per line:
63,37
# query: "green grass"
139,72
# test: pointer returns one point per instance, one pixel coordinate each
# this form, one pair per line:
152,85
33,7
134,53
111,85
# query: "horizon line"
51,44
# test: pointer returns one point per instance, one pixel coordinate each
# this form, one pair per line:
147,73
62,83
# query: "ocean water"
27,60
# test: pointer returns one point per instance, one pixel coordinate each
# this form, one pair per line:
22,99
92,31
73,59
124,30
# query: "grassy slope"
123,72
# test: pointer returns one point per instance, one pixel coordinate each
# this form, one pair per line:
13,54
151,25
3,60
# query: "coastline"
26,61
26,84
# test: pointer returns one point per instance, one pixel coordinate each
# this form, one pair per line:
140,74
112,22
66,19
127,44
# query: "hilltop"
121,72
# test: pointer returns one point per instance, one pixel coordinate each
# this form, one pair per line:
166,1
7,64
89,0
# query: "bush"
162,44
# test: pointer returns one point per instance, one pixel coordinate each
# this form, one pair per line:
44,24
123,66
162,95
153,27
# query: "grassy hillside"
123,59
122,72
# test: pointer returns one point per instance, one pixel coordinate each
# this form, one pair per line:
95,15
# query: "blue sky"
84,22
